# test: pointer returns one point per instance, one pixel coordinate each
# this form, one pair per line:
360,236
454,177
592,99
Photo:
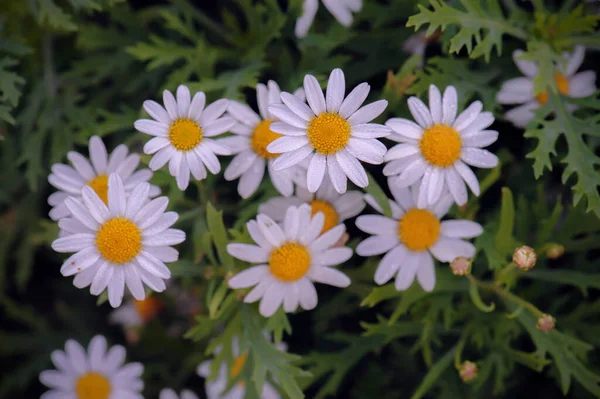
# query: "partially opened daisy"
436,150
252,136
168,393
335,207
183,131
97,374
135,313
291,257
124,243
70,180
341,9
412,237
521,91
216,388
332,132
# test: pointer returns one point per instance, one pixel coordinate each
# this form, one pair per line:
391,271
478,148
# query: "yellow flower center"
92,386
562,83
418,229
262,137
238,365
185,134
328,133
289,262
440,145
147,308
100,185
331,216
119,240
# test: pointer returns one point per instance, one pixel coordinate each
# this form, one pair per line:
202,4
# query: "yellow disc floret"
92,386
289,262
328,133
100,185
262,137
331,215
562,82
185,134
119,240
238,365
418,229
440,145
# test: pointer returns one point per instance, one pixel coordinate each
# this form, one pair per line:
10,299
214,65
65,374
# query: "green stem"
461,345
538,5
508,296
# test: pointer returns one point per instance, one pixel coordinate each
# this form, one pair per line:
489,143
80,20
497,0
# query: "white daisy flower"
97,374
341,9
70,180
183,132
168,393
291,256
333,133
135,313
335,207
412,236
216,387
124,243
434,151
521,91
252,136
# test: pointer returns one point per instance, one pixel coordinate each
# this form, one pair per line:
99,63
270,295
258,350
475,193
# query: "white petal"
377,224
478,157
81,213
209,159
243,113
252,178
152,127
354,100
80,261
405,128
309,10
436,184
156,111
291,226
291,299
449,105
259,290
522,114
102,278
480,139
332,256
352,168
134,283
151,212
249,277
310,233
483,120
164,253
168,237
314,94
270,230
390,264
340,11
155,144
197,106
400,151
248,253
282,180
336,88
460,229
274,93
116,195
456,186
170,104
583,84
213,111
161,157
262,99
272,300
292,158
408,269
282,112
467,116
336,174
316,172
98,154
195,164
297,107
411,174
153,265
397,166
286,144
529,68
218,126
183,101
435,104
469,177
116,288
328,275
367,150
308,294
376,245
426,272
420,112
370,130
515,91
368,112
575,60
81,165
446,249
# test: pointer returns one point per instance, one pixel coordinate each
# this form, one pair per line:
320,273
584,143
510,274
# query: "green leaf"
583,281
482,22
433,375
377,192
10,88
504,241
214,220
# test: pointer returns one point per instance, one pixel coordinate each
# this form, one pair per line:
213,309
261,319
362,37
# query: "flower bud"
460,266
524,257
342,241
555,251
468,371
545,323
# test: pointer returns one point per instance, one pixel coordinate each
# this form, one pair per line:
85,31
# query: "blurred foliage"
77,68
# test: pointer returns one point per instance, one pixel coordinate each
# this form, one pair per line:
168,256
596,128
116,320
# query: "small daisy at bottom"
291,257
97,374
412,235
168,393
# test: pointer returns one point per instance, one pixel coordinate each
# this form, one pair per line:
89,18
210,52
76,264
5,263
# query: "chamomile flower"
135,313
183,131
97,374
435,151
124,243
521,91
291,257
335,207
70,180
332,132
216,387
168,393
341,9
413,236
252,136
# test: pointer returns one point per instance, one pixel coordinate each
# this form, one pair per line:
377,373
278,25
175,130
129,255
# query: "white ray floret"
252,135
183,132
435,151
291,257
568,81
168,393
70,180
332,133
412,237
341,9
123,244
98,373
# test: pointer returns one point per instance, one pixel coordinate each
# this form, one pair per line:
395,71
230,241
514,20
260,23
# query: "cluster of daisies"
119,232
